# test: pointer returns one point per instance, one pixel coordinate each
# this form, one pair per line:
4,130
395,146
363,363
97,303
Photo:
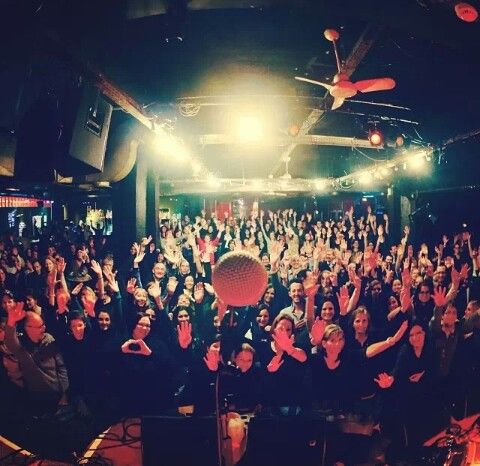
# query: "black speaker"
67,135
284,441
84,138
172,441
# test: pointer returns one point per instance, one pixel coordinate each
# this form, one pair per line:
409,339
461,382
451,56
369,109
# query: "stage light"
417,161
428,157
196,167
213,181
320,185
257,185
249,129
384,171
399,140
365,178
466,12
375,137
293,130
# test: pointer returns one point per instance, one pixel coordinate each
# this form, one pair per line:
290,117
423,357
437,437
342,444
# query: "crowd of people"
353,324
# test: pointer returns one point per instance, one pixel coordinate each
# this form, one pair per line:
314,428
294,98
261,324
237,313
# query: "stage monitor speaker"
284,441
67,135
172,441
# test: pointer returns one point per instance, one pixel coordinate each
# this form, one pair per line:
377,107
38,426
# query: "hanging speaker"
66,134
84,135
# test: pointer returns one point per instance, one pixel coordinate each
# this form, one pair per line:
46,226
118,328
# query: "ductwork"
120,157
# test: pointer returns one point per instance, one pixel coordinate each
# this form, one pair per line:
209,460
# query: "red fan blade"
337,102
378,84
312,81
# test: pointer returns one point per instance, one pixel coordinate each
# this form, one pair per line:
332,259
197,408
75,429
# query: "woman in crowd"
146,369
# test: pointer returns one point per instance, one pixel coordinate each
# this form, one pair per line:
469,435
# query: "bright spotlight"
365,178
320,185
417,161
172,146
384,171
213,181
249,129
257,185
196,167
375,137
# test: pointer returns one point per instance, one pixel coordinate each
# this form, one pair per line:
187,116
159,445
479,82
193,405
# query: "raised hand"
154,290
416,377
131,285
440,296
126,346
464,271
384,380
15,313
144,349
198,293
209,288
171,285
139,257
317,331
184,333
61,265
343,299
212,359
96,267
146,241
275,363
77,289
282,341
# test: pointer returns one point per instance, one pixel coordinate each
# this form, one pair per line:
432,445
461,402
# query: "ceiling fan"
342,88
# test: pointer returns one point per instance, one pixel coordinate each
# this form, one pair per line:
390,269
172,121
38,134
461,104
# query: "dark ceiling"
255,49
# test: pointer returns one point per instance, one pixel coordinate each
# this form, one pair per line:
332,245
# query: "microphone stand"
221,411
218,418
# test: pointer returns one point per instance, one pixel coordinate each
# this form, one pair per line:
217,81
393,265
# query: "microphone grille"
239,278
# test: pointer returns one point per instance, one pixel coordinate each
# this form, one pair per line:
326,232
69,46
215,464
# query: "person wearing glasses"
145,370
39,358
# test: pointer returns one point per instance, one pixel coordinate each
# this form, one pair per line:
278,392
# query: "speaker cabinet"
84,142
67,135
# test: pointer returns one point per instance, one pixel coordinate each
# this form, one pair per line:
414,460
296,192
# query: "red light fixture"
466,12
375,137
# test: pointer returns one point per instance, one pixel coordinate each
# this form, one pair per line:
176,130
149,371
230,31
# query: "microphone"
239,279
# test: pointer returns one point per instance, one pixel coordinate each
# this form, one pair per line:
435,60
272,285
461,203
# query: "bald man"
42,366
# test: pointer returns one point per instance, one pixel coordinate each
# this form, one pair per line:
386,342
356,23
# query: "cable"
367,156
